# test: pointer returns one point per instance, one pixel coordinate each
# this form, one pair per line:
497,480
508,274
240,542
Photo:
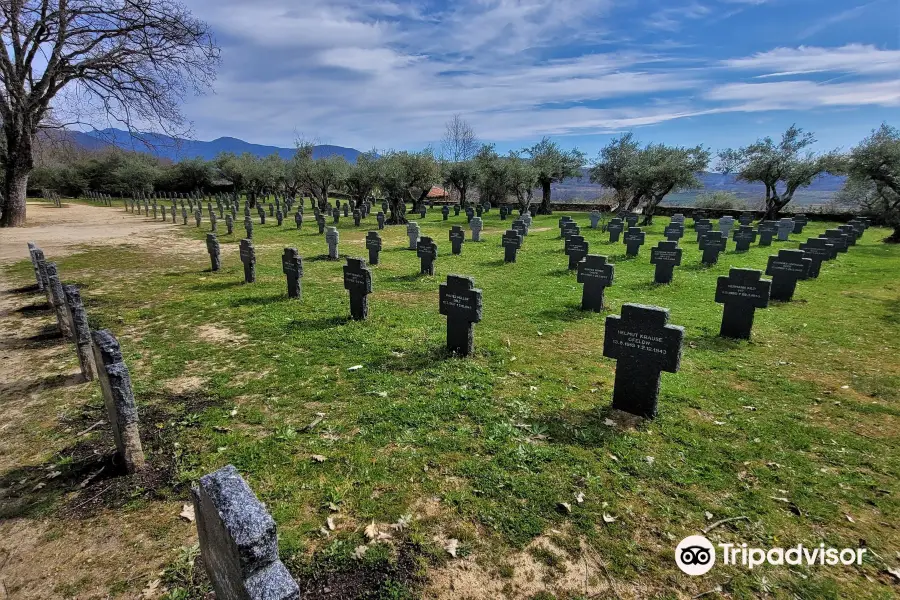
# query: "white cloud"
803,95
852,58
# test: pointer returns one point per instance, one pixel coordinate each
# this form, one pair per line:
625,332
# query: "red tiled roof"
437,192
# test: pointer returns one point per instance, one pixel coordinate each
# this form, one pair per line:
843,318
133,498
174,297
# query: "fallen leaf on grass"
355,368
579,497
187,513
452,546
330,522
151,590
895,572
371,531
609,422
319,458
402,523
849,518
359,552
608,518
708,515
566,507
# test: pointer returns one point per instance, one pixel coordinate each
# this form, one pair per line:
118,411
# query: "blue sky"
389,74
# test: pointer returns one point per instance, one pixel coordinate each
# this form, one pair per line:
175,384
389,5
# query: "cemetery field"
368,434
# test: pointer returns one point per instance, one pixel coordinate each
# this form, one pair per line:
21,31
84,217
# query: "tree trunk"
398,212
894,238
462,197
773,208
545,200
19,163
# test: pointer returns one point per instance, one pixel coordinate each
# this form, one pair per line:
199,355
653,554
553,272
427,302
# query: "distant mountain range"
178,149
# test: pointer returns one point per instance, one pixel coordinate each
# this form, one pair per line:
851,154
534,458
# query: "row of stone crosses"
238,538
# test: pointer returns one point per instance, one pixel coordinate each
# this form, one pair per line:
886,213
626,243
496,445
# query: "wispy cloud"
853,58
826,22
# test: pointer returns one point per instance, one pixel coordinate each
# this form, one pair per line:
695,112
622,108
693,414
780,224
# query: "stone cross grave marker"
358,281
332,237
666,256
767,230
800,222
644,346
678,218
292,267
634,239
384,206
741,293
213,220
837,237
785,269
576,249
238,541
486,206
726,223
118,396
785,229
184,216
460,302
674,232
456,210
615,228
596,274
818,250
262,216
279,217
346,209
562,221
511,242
248,258
380,218
229,223
357,216
504,211
427,251
476,226
526,218
423,210
412,232
569,228
81,332
851,233
336,215
298,219
743,237
445,212
248,227
457,238
745,218
320,222
212,246
698,215
595,217
702,227
373,244
57,298
173,213
520,227
712,243
271,209
631,219
470,214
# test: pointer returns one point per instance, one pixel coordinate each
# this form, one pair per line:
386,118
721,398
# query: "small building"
438,194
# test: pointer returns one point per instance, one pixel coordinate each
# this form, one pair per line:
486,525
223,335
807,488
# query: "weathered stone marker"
702,227
346,209
298,218
741,292
800,222
818,250
634,239
631,219
422,211
511,242
238,541
115,382
380,218
674,231
470,214
427,251
562,221
476,226
569,228
229,223
292,267
725,225
332,237
677,218
357,215
837,237
767,230
57,298
212,246
412,232
595,217
666,256
596,275
198,216
373,244
644,346
445,212
320,221
712,243
81,332
213,222
32,247
460,302
336,215
785,229
184,216
358,281
851,233
743,237
745,218
615,228
520,227
248,257
576,249
457,238
279,217
785,269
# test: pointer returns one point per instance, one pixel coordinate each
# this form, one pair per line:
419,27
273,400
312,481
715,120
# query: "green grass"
503,437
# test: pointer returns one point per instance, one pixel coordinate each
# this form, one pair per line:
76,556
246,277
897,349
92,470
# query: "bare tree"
459,142
133,59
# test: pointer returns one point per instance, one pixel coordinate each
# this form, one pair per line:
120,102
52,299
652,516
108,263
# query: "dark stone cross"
380,218
741,293
279,217
248,257
785,229
745,218
712,243
596,274
479,210
767,230
198,216
460,302
698,215
298,219
743,237
666,256
520,227
851,233
456,210
384,207
504,211
631,219
262,216
457,238
786,269
346,209
576,249
702,227
634,239
445,212
336,214
212,246
173,214
427,251
594,216
229,223
644,346
320,221
818,250
674,231
511,242
357,215
248,226
569,228
837,237
615,228
800,222
213,222
470,214
358,281
373,244
562,221
271,209
292,266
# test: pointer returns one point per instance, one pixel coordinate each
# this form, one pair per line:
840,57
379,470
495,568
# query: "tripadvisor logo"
695,555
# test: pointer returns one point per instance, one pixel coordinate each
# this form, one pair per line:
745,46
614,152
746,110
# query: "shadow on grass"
27,289
567,312
711,340
415,359
35,310
257,300
219,285
318,324
48,337
323,258
699,266
892,311
562,272
494,263
408,277
583,427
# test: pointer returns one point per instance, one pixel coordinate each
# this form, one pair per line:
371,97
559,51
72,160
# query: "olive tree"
321,175
614,169
363,176
522,176
406,177
491,175
660,170
131,60
552,165
873,183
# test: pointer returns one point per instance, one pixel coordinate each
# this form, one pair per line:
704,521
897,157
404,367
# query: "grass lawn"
797,431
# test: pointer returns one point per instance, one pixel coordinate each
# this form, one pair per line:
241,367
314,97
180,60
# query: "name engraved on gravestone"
785,229
818,250
726,223
767,230
631,219
118,397
596,275
457,238
644,346
576,249
851,233
476,226
292,267
800,222
212,246
837,237
380,218
594,217
634,239
239,541
427,251
248,258
461,303
511,242
743,237
81,332
702,227
678,218
712,243
569,228
741,293
674,232
666,256
785,269
358,281
412,232
373,244
615,228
